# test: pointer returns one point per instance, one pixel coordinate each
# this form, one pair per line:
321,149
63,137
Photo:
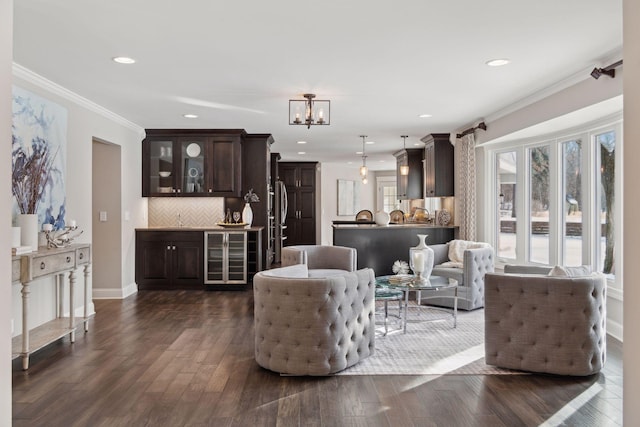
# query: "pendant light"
363,168
404,169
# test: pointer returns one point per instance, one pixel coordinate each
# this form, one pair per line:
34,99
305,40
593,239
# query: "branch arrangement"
30,175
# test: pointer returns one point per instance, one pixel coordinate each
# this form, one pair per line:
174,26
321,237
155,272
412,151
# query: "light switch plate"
103,216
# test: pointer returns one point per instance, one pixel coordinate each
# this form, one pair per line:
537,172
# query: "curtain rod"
472,129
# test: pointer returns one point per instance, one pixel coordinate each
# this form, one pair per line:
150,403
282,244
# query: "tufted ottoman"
313,326
544,324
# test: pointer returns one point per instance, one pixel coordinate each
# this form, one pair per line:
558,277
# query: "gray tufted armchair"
313,326
322,260
545,324
477,262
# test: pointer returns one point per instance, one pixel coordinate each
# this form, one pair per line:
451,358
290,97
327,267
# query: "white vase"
247,214
28,230
421,258
382,218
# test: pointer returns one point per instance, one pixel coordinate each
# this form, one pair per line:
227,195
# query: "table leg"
72,282
406,306
25,326
386,316
87,272
455,308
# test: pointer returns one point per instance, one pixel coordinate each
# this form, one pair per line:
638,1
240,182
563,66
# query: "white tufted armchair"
545,324
313,326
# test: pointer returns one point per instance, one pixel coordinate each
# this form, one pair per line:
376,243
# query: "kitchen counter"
200,228
386,227
380,246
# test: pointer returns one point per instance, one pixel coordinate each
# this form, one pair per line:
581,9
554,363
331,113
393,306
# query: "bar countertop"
369,226
201,228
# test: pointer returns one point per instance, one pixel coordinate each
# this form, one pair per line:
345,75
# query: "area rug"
431,346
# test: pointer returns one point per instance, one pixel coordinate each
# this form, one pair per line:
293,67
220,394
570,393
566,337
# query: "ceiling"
382,64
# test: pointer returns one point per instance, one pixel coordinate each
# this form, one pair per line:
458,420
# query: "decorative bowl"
164,174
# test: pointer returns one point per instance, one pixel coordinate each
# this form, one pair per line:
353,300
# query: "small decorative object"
247,213
236,217
382,218
61,238
400,267
421,259
443,217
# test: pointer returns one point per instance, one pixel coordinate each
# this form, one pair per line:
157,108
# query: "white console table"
46,263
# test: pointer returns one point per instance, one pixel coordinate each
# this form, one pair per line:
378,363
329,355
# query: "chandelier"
404,169
363,168
309,111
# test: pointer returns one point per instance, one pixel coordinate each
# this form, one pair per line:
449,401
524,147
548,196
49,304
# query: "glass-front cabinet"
188,163
225,257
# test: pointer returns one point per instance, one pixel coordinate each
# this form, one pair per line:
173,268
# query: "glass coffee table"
433,287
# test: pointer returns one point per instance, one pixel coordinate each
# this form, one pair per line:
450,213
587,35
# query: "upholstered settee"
322,260
313,325
545,324
470,276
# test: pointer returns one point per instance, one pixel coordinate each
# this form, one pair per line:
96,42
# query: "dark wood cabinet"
300,181
438,166
192,162
256,174
409,186
169,260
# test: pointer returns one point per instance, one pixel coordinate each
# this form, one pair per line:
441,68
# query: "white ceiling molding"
43,83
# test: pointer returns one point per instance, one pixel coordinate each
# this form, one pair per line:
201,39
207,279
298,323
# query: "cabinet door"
307,177
429,171
190,170
236,257
187,262
158,167
289,174
215,257
224,161
153,263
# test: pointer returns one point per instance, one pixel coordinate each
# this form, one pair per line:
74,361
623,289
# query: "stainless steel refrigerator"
280,211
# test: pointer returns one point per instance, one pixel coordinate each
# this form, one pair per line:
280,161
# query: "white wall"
86,122
631,253
6,55
331,173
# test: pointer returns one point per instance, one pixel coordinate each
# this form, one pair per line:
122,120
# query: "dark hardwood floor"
185,358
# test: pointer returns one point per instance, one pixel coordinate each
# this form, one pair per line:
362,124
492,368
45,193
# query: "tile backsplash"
194,211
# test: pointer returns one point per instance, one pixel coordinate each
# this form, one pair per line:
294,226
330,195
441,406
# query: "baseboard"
115,293
614,329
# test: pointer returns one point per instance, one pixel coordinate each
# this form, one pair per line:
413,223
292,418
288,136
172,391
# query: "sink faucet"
180,223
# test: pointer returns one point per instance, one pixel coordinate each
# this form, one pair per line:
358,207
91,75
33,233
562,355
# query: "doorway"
106,220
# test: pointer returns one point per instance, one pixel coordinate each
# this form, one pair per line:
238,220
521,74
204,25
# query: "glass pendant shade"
404,170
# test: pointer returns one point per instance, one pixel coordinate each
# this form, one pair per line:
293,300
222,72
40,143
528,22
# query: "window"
568,211
539,204
387,194
506,218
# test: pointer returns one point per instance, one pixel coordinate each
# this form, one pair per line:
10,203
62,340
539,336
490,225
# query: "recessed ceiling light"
124,60
497,62
302,142
349,163
381,161
358,152
417,144
370,142
425,116
301,152
190,116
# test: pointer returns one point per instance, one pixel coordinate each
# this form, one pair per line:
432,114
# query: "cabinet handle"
42,265
68,259
81,255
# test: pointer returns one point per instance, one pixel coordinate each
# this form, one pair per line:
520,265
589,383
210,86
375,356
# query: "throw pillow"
563,271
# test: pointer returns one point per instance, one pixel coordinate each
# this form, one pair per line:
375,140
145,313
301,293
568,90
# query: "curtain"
465,158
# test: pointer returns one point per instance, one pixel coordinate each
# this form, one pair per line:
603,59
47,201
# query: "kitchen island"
380,246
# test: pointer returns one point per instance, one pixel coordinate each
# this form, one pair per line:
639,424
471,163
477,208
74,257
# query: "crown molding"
43,83
584,74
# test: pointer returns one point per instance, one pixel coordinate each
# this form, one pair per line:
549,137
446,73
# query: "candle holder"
421,260
61,238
